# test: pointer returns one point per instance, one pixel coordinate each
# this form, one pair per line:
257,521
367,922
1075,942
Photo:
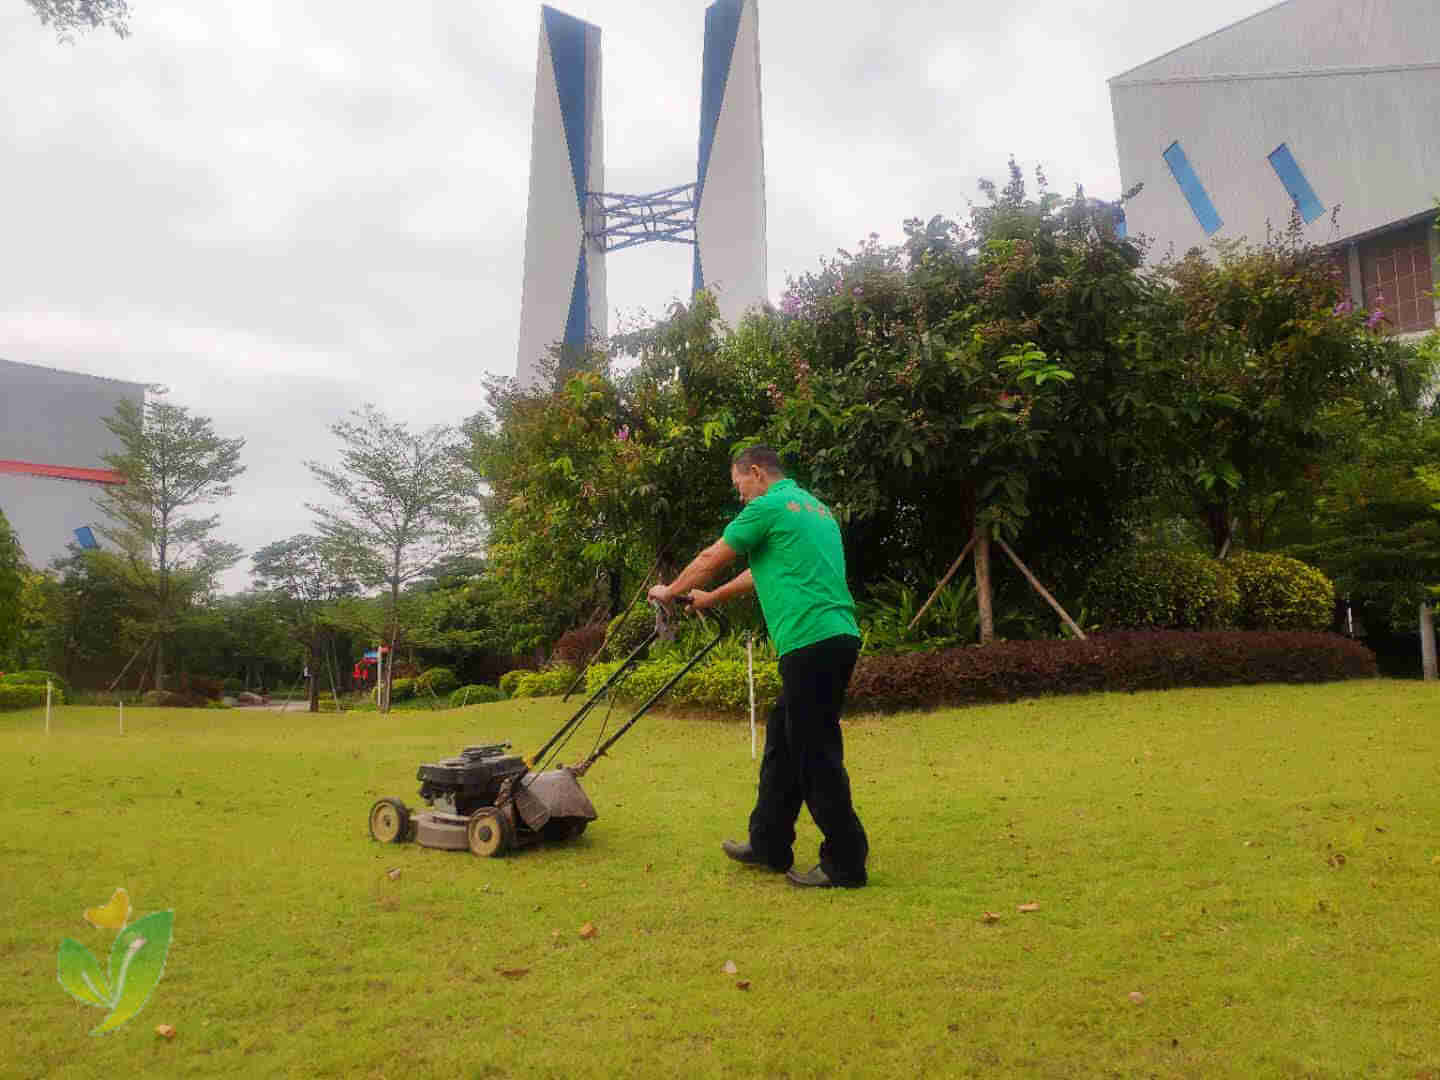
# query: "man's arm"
701,569
739,585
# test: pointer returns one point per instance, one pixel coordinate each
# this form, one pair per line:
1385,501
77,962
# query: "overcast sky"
282,210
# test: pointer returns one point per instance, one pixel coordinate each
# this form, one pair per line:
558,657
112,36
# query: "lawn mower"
491,801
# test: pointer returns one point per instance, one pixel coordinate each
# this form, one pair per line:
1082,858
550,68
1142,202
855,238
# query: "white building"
1329,106
52,440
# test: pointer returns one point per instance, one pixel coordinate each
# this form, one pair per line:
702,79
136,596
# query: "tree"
70,17
407,501
307,574
12,582
171,461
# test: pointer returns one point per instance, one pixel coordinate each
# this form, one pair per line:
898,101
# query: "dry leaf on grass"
513,973
165,1031
393,873
1031,906
1136,996
989,917
743,984
588,930
730,968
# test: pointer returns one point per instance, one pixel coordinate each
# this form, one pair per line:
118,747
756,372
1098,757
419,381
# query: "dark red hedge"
1125,661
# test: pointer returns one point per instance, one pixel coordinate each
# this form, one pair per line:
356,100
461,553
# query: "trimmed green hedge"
475,694
545,683
719,685
21,695
1162,590
1281,593
511,679
36,678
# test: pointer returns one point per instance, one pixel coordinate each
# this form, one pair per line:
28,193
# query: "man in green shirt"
797,567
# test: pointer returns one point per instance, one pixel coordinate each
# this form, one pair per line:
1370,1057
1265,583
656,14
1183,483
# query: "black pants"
804,762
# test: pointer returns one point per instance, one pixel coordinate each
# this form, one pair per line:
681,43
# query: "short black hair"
763,456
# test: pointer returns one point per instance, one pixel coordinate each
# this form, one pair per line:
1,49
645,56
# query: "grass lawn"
1230,883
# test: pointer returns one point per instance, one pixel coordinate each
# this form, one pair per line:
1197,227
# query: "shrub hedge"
475,694
511,679
545,683
1162,590
1006,671
1281,593
402,690
626,637
437,680
23,695
171,699
38,678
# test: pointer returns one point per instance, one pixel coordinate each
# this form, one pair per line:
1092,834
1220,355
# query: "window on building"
1396,265
1193,190
1290,174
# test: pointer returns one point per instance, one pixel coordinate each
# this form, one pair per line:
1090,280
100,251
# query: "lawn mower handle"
722,627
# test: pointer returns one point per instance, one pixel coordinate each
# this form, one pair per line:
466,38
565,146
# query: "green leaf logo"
137,961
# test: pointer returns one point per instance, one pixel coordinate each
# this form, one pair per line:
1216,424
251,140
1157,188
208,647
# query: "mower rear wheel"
489,832
390,821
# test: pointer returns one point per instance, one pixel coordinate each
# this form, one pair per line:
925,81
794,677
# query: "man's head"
753,471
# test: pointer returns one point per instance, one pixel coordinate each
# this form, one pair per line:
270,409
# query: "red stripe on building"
62,472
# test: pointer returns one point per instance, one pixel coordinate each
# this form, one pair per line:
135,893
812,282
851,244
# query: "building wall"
1351,88
50,417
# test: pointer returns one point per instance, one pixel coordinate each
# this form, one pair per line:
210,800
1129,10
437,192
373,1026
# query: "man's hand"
700,599
660,594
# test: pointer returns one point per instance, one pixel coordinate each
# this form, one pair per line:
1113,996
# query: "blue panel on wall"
1288,169
85,537
576,323
722,26
567,50
1193,190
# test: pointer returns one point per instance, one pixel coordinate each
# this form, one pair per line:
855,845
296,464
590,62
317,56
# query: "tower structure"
573,222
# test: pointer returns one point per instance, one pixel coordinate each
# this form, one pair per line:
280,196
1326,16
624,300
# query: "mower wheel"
489,832
390,821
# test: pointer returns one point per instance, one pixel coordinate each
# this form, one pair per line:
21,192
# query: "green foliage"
626,634
1280,593
436,681
715,685
402,689
547,683
69,17
169,699
35,677
476,694
886,614
26,695
12,582
511,679
1163,590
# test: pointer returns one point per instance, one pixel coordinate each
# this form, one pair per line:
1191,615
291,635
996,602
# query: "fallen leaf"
393,873
989,917
588,930
1336,860
513,973
1136,996
1031,906
165,1031
730,968
743,984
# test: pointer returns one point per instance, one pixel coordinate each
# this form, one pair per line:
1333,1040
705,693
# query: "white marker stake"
750,665
47,706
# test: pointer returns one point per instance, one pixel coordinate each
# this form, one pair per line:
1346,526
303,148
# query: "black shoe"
818,879
744,853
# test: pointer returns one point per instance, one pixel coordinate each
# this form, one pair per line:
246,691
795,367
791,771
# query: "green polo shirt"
799,565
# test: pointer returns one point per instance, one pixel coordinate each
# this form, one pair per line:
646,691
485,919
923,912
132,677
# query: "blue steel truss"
616,222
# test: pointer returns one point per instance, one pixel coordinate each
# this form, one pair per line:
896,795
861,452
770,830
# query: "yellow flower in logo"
111,916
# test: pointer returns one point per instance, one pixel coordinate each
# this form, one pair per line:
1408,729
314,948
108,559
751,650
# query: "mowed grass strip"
1260,866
